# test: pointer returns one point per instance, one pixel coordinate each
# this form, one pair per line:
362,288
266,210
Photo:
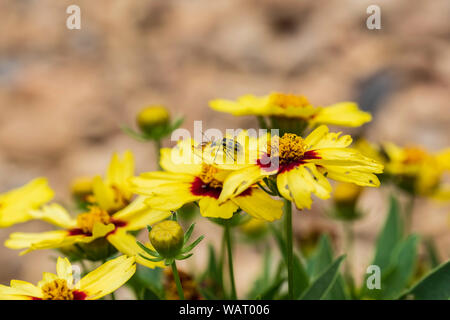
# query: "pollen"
57,290
288,148
86,221
288,100
208,176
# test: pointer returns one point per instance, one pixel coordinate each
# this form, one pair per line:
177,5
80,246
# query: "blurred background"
64,93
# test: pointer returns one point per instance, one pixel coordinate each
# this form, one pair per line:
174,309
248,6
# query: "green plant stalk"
349,244
176,277
158,144
409,214
230,261
289,246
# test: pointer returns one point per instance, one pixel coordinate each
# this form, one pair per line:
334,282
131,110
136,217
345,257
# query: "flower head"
16,204
418,171
186,181
295,107
300,167
111,215
60,286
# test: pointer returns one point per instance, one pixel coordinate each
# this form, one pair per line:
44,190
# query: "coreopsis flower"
417,171
186,180
300,167
112,213
60,286
295,107
16,204
88,227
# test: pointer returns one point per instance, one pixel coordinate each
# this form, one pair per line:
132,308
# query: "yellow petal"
108,277
64,270
349,158
126,243
171,196
210,207
361,178
104,195
119,171
181,159
343,114
283,186
260,205
239,181
54,214
148,183
15,204
138,214
19,290
299,188
321,138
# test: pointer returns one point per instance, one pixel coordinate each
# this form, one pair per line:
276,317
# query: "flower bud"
167,237
152,119
346,192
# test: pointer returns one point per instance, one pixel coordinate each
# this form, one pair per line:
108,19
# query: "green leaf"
388,239
390,235
432,252
323,284
188,233
147,283
193,244
401,269
301,278
271,292
147,249
320,261
434,286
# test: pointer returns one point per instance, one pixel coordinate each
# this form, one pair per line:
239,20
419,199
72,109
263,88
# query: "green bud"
153,119
167,237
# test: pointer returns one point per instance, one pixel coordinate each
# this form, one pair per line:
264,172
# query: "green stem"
230,261
289,247
177,280
409,214
158,145
349,240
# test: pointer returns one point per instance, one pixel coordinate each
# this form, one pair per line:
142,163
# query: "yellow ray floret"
15,205
61,286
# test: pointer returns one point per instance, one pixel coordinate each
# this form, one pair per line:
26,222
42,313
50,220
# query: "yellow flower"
418,170
60,286
113,192
293,106
90,226
186,180
302,166
111,215
16,204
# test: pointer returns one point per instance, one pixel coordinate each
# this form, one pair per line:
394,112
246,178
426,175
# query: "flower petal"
54,214
239,181
343,114
138,214
126,243
260,205
15,204
64,270
210,207
108,277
